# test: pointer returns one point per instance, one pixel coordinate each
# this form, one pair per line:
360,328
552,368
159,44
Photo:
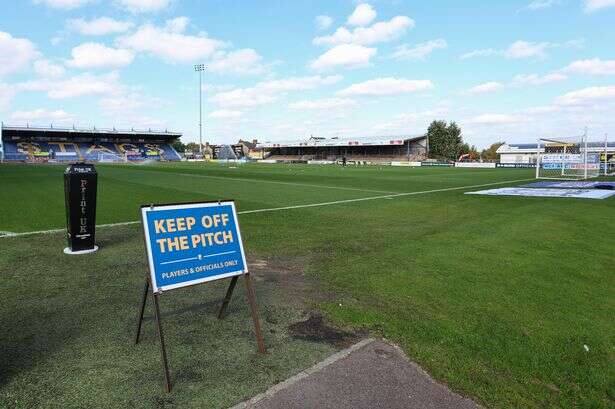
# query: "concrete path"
370,374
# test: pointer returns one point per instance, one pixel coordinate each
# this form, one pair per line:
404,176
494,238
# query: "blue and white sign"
546,192
193,243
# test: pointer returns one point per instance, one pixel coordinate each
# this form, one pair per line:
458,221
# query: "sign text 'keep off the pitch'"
189,244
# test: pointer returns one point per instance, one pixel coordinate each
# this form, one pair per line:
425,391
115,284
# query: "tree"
490,154
179,146
445,140
192,147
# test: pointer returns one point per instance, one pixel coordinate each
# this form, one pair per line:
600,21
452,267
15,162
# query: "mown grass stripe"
275,182
303,206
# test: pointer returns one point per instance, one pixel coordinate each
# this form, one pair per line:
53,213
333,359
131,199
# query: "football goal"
567,158
607,158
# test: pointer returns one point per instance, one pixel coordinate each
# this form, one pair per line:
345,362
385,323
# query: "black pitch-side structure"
80,185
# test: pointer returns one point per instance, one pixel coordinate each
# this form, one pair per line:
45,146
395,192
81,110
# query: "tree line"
446,143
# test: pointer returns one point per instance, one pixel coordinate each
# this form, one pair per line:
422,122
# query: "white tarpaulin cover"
545,192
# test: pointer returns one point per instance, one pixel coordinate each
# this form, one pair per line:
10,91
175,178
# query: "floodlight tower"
200,68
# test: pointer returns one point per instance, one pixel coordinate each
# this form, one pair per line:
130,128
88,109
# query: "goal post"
607,158
570,158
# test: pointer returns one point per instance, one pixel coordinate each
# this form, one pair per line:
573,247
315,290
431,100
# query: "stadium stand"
30,144
384,149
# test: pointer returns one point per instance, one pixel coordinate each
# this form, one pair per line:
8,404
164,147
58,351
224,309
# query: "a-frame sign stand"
149,287
163,353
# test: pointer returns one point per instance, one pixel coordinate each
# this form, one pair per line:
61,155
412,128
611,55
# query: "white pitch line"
275,209
364,199
276,182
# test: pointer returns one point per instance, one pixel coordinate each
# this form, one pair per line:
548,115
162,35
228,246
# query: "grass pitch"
496,296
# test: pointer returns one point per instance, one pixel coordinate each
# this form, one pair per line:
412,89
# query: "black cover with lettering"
80,182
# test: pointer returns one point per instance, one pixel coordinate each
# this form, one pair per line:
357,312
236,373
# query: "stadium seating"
349,158
87,151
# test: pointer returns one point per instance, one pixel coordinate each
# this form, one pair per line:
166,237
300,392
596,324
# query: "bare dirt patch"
286,276
315,329
287,279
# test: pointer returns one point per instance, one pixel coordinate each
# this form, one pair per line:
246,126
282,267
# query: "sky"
509,70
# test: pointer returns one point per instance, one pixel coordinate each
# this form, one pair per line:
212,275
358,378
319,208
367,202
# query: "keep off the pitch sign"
189,244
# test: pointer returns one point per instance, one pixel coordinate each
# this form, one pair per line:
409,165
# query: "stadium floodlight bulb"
199,67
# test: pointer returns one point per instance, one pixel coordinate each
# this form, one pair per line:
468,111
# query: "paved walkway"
370,374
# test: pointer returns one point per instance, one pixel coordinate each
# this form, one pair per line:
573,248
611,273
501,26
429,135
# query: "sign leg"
254,310
227,298
163,352
141,311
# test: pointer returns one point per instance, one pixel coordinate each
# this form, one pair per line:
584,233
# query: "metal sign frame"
156,291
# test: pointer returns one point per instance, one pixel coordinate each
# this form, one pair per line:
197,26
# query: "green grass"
495,296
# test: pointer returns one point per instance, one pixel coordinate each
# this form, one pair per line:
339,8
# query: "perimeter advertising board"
189,244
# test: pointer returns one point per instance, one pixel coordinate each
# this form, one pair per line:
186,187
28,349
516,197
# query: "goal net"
567,158
607,158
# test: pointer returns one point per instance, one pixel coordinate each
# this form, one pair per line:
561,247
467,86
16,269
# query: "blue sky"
279,70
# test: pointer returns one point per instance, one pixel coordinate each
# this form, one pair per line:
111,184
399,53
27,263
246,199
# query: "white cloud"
243,61
362,15
170,44
323,104
386,86
419,51
344,55
225,114
63,4
495,119
43,115
95,55
412,122
587,96
485,88
379,32
15,53
98,26
77,86
126,102
594,66
177,24
242,98
45,68
7,93
144,6
266,92
124,109
594,5
525,49
540,5
485,52
323,22
535,79
541,110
